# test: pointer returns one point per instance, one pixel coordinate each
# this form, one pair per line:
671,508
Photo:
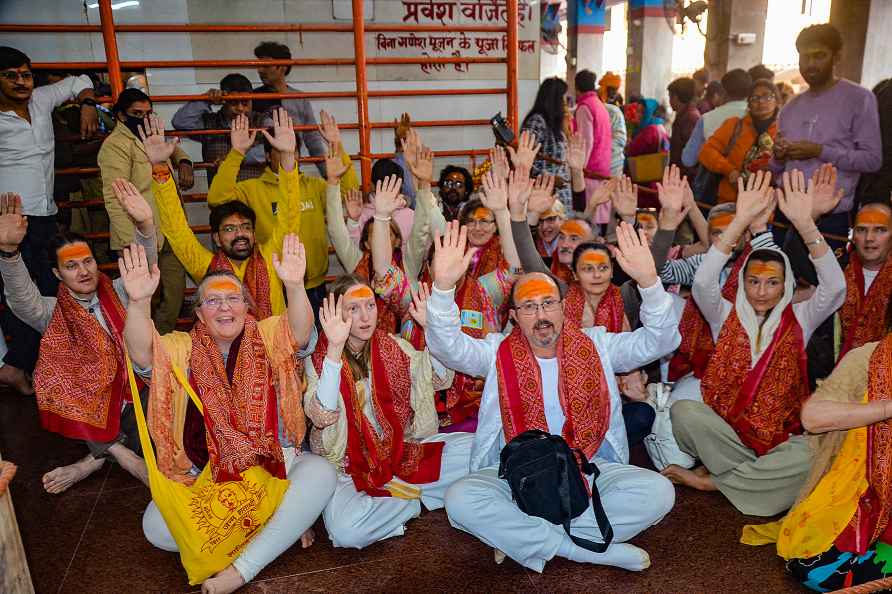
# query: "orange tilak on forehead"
721,221
224,285
481,214
574,228
535,288
646,217
873,216
595,257
73,251
766,269
360,292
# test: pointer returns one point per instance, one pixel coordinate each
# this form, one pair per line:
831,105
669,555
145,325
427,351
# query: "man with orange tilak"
81,378
370,399
746,432
550,375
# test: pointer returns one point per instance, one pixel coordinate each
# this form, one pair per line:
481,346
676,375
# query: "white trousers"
355,519
633,498
313,481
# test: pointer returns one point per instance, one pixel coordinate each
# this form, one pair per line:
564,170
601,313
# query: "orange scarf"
562,271
256,280
610,313
586,401
487,258
240,415
372,458
81,379
762,404
696,338
863,316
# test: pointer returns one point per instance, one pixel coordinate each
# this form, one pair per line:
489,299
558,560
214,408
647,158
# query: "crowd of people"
730,312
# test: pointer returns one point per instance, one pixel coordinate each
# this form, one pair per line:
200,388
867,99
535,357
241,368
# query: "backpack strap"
604,526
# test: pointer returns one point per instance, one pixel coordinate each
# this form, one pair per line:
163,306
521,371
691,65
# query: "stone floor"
90,540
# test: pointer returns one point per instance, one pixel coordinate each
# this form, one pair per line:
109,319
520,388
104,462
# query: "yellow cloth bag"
210,522
811,527
644,169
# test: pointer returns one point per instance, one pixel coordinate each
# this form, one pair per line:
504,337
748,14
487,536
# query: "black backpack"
546,482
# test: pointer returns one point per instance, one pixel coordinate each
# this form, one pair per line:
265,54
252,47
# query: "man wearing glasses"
549,376
27,155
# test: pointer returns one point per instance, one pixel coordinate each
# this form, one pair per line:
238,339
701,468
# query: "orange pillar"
111,48
362,94
513,118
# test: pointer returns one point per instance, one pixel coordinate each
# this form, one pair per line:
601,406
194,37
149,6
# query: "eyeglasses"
246,227
762,98
232,301
530,308
453,185
13,76
480,222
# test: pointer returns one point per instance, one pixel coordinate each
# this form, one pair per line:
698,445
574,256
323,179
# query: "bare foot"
16,379
130,462
308,538
696,479
63,477
227,581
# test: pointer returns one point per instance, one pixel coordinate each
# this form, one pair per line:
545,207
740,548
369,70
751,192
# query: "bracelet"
89,102
818,241
8,255
382,219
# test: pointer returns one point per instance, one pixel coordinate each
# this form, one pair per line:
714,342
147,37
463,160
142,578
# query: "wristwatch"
8,255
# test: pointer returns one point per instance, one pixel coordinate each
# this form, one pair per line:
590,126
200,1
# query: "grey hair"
217,275
720,209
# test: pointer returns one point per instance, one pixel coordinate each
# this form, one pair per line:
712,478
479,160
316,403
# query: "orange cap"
73,251
534,288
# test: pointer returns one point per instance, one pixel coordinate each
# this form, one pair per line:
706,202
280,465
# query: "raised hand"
576,157
671,193
387,196
240,135
329,128
451,261
527,149
825,196
335,326
625,198
292,265
13,225
403,127
133,203
140,281
754,197
151,132
796,200
335,167
283,138
499,162
495,192
520,187
418,307
603,193
633,255
419,158
542,194
353,204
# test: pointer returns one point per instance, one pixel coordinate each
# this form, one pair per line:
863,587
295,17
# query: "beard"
239,249
547,341
452,198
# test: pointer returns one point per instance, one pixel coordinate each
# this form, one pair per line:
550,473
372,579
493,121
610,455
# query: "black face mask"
133,123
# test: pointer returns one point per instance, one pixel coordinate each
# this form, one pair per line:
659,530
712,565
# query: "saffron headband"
534,288
758,268
481,214
646,217
574,228
73,251
721,221
224,285
872,216
594,257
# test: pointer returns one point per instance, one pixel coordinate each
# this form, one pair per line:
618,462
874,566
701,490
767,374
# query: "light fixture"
117,5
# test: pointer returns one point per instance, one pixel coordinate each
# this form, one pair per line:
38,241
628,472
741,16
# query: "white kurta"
481,503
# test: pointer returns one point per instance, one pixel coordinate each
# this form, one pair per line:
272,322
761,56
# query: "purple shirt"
845,121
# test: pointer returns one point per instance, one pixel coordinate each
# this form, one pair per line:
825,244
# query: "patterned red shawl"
256,279
863,316
488,258
582,389
240,416
81,378
562,271
762,404
373,458
610,313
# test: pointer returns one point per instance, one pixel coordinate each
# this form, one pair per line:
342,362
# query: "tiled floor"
90,540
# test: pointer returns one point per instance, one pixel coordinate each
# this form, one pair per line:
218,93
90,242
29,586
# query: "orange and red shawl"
372,458
562,271
610,313
696,337
256,279
81,377
387,317
762,404
871,519
240,416
863,316
582,389
487,258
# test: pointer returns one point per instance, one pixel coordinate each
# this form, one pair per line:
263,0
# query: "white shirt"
554,413
869,277
713,120
619,353
27,150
